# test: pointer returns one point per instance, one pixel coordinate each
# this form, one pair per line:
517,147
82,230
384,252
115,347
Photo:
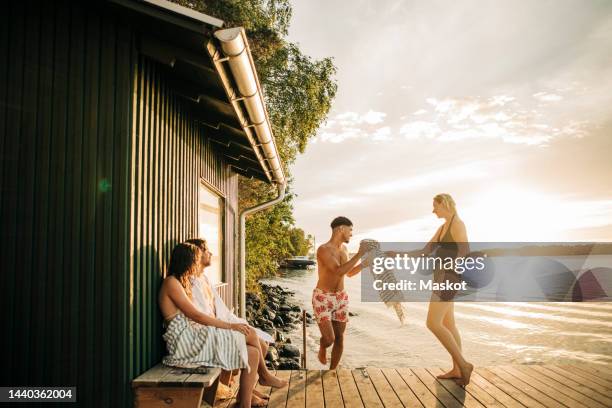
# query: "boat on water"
297,262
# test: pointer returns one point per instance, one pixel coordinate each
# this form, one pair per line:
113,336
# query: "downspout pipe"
243,215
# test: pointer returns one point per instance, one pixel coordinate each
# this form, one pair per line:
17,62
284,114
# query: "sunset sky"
506,105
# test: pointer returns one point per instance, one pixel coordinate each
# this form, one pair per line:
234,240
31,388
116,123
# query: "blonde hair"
446,201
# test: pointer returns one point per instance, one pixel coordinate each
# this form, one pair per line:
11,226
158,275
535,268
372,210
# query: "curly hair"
184,263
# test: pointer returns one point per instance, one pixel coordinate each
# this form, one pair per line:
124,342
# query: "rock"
288,340
308,315
289,350
279,321
272,354
269,314
296,308
284,308
280,337
288,364
353,314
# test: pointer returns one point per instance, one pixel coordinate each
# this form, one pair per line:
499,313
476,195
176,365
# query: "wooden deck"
500,386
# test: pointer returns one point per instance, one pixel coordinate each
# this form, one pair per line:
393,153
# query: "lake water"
492,333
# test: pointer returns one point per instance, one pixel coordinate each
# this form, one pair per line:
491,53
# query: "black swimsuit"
447,248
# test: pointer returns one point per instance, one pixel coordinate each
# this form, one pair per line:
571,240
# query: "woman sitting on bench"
195,339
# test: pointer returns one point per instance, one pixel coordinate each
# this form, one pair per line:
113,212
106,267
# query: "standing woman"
450,240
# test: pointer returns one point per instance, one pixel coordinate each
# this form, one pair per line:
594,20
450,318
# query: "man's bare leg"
338,347
327,339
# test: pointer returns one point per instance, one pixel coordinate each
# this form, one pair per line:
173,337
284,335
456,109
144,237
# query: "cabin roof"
179,38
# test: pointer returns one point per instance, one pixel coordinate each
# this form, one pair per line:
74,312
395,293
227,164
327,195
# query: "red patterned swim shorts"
330,305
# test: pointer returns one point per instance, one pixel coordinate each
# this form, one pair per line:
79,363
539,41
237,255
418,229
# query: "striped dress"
192,345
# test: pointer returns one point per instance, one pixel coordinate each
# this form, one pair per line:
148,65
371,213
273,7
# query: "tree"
298,92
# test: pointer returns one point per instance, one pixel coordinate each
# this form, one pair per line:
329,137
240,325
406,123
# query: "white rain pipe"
235,48
243,215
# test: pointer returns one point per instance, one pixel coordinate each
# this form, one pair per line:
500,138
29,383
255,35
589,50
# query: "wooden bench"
164,386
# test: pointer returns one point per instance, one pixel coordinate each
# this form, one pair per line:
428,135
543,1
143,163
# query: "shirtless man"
329,299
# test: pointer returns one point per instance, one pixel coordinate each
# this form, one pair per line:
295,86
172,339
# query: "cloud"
547,97
501,117
373,118
419,129
382,134
352,125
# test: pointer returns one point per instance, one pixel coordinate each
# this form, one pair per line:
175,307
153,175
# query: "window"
210,228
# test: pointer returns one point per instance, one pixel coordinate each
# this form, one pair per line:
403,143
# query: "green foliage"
298,92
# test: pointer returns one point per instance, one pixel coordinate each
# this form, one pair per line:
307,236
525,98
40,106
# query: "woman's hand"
240,327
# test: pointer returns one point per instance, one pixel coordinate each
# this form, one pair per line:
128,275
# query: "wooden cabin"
124,132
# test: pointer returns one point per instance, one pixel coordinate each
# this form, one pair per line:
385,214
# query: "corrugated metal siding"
65,87
93,196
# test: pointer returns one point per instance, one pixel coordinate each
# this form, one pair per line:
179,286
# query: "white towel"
223,312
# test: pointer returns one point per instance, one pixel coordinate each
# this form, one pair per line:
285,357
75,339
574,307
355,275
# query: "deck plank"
473,389
426,397
384,389
505,386
331,389
598,384
278,396
592,375
403,392
509,389
447,399
543,386
314,389
558,386
348,387
567,381
368,393
525,387
494,391
598,368
297,390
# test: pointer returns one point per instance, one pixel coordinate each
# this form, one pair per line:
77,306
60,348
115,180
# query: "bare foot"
255,401
466,373
322,355
273,381
261,395
454,373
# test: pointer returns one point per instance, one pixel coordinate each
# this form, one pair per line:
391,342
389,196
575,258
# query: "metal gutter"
247,98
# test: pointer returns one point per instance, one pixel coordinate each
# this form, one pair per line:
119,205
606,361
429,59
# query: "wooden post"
304,339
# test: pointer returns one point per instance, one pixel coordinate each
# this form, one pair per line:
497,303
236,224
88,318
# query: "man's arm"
355,270
331,264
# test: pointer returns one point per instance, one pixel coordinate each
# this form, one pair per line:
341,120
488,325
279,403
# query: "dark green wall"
98,179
